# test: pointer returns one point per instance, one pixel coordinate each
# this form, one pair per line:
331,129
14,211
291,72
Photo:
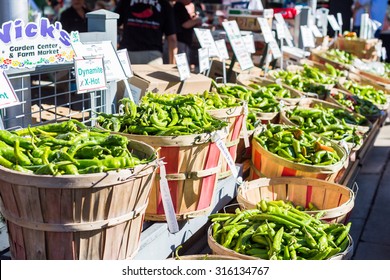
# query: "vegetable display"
356,104
366,92
65,148
276,230
296,145
340,56
335,124
164,115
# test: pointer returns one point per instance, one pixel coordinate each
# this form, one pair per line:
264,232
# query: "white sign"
90,75
222,49
206,40
249,43
266,30
182,66
307,37
280,31
238,46
340,19
124,59
333,23
33,44
105,49
275,50
8,96
279,18
204,61
316,32
268,13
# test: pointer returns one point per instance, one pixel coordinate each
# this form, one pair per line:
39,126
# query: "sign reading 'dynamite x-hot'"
32,44
90,75
8,96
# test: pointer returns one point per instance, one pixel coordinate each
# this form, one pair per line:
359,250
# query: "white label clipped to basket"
225,153
173,226
244,129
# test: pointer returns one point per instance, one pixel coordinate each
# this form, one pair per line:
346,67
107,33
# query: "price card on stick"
123,56
316,32
280,31
204,61
340,20
307,37
90,75
238,46
275,50
182,66
225,153
266,30
112,65
206,40
8,96
333,23
222,49
249,43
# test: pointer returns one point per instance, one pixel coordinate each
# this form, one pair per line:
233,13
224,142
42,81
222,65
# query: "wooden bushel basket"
267,164
192,166
235,117
218,249
77,217
337,201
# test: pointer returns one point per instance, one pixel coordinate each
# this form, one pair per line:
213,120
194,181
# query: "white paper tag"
268,13
266,30
340,19
244,129
167,200
316,32
123,56
222,49
249,43
206,40
307,37
384,53
90,75
279,18
182,66
8,96
280,31
204,60
333,23
275,50
225,153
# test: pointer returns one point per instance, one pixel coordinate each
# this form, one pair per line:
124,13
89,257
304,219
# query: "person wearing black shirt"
73,18
145,24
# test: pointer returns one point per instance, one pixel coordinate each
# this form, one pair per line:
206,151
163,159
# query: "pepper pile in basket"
65,148
366,92
278,231
293,144
163,115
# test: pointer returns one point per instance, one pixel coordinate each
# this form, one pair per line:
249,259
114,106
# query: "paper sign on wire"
169,211
182,66
225,153
8,96
206,40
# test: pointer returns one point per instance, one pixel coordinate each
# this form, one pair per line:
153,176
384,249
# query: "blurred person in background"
74,18
146,23
186,20
359,7
378,12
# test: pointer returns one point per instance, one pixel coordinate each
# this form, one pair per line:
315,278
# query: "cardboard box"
216,71
161,79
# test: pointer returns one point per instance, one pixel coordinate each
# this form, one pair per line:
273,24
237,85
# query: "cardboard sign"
105,49
249,43
238,46
266,30
90,75
8,96
333,23
204,60
206,40
307,37
33,44
222,49
182,66
124,59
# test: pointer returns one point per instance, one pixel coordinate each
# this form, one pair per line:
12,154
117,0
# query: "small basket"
218,249
337,201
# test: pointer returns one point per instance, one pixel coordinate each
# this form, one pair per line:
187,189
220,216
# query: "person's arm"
196,21
172,48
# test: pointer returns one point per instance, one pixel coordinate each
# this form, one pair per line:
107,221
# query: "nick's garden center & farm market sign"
33,44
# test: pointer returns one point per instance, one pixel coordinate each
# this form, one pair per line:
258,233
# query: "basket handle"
355,188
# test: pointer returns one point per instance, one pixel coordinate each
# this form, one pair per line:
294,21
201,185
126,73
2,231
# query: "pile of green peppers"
294,144
277,91
310,80
65,148
366,92
335,124
340,56
357,104
277,231
164,115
